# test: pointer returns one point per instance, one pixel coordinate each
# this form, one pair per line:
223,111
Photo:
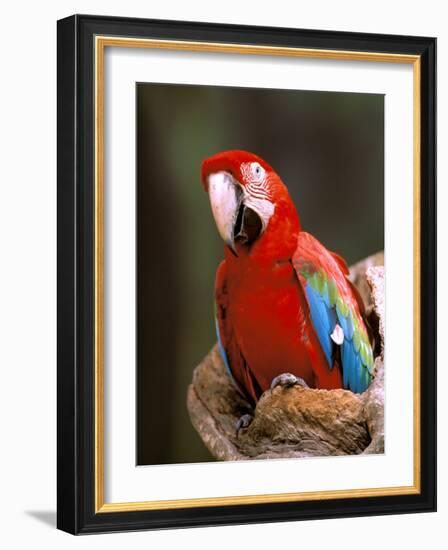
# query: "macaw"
286,313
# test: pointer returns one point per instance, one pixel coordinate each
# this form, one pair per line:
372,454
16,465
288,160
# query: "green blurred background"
327,147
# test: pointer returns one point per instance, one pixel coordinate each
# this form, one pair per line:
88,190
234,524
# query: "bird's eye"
257,170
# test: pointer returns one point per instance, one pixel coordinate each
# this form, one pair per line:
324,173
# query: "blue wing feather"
222,351
324,319
350,326
347,354
356,377
342,323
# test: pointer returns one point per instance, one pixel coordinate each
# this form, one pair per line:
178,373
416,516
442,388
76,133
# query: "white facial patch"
263,207
257,194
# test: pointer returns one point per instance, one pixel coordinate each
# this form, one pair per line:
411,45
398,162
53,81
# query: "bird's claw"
287,380
243,422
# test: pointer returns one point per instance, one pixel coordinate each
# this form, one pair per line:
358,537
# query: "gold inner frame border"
100,44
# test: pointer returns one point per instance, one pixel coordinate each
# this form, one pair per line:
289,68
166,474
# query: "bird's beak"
225,197
235,221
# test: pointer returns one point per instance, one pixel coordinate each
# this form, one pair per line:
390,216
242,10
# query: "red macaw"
285,311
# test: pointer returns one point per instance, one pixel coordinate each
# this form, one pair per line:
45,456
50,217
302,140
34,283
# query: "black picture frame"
76,511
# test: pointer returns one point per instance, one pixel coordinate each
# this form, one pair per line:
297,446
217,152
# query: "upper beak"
236,222
225,199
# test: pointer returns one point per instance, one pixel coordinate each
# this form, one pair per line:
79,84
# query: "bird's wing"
336,311
233,359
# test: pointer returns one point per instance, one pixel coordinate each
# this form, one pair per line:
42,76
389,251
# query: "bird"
285,311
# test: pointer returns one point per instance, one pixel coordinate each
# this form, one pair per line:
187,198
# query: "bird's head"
248,201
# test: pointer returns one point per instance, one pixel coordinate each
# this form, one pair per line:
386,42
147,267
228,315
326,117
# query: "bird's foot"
287,380
243,423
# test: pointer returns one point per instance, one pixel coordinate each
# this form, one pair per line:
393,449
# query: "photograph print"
260,274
